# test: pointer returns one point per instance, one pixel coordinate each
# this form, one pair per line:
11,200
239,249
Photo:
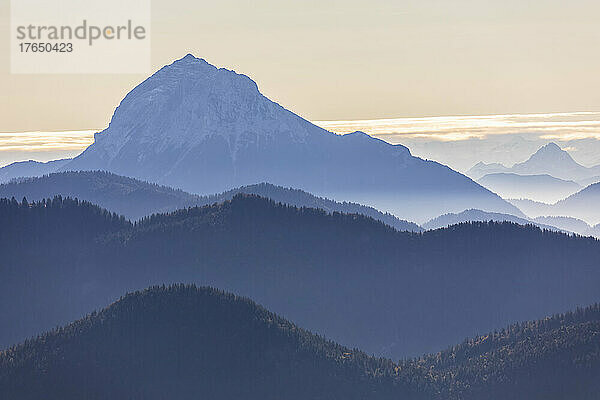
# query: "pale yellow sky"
348,60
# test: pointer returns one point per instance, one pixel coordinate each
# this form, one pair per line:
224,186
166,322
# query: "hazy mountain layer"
532,208
299,198
402,293
584,204
566,223
29,169
482,169
594,231
543,188
581,205
477,215
548,160
204,130
136,199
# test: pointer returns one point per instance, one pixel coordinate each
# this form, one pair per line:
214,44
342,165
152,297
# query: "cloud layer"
461,141
458,141
556,126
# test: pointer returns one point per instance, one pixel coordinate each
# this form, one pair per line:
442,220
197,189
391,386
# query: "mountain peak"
191,61
189,57
205,129
551,148
551,152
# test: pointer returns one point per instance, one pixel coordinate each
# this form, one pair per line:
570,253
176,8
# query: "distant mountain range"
566,223
482,169
589,181
544,188
558,224
595,231
29,169
402,293
136,199
205,130
584,204
548,160
532,208
125,196
447,220
581,205
185,342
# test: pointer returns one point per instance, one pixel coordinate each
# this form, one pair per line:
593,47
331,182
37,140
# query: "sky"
343,61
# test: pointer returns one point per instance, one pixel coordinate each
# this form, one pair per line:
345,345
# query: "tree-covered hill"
402,294
186,342
182,342
56,224
126,196
554,358
300,198
135,199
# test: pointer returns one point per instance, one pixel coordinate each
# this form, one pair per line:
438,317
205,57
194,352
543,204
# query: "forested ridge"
185,342
135,198
403,293
127,196
557,357
57,221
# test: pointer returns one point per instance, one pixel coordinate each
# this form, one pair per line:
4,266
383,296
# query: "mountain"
548,160
482,169
402,293
565,223
29,168
552,160
205,130
136,199
532,208
183,342
126,196
582,205
594,231
299,198
552,359
543,188
186,342
589,181
447,220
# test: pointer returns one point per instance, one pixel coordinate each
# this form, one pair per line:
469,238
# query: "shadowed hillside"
554,358
185,342
402,293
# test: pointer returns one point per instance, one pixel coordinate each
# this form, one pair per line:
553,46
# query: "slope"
205,130
477,215
29,168
544,188
548,160
403,293
136,199
186,342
